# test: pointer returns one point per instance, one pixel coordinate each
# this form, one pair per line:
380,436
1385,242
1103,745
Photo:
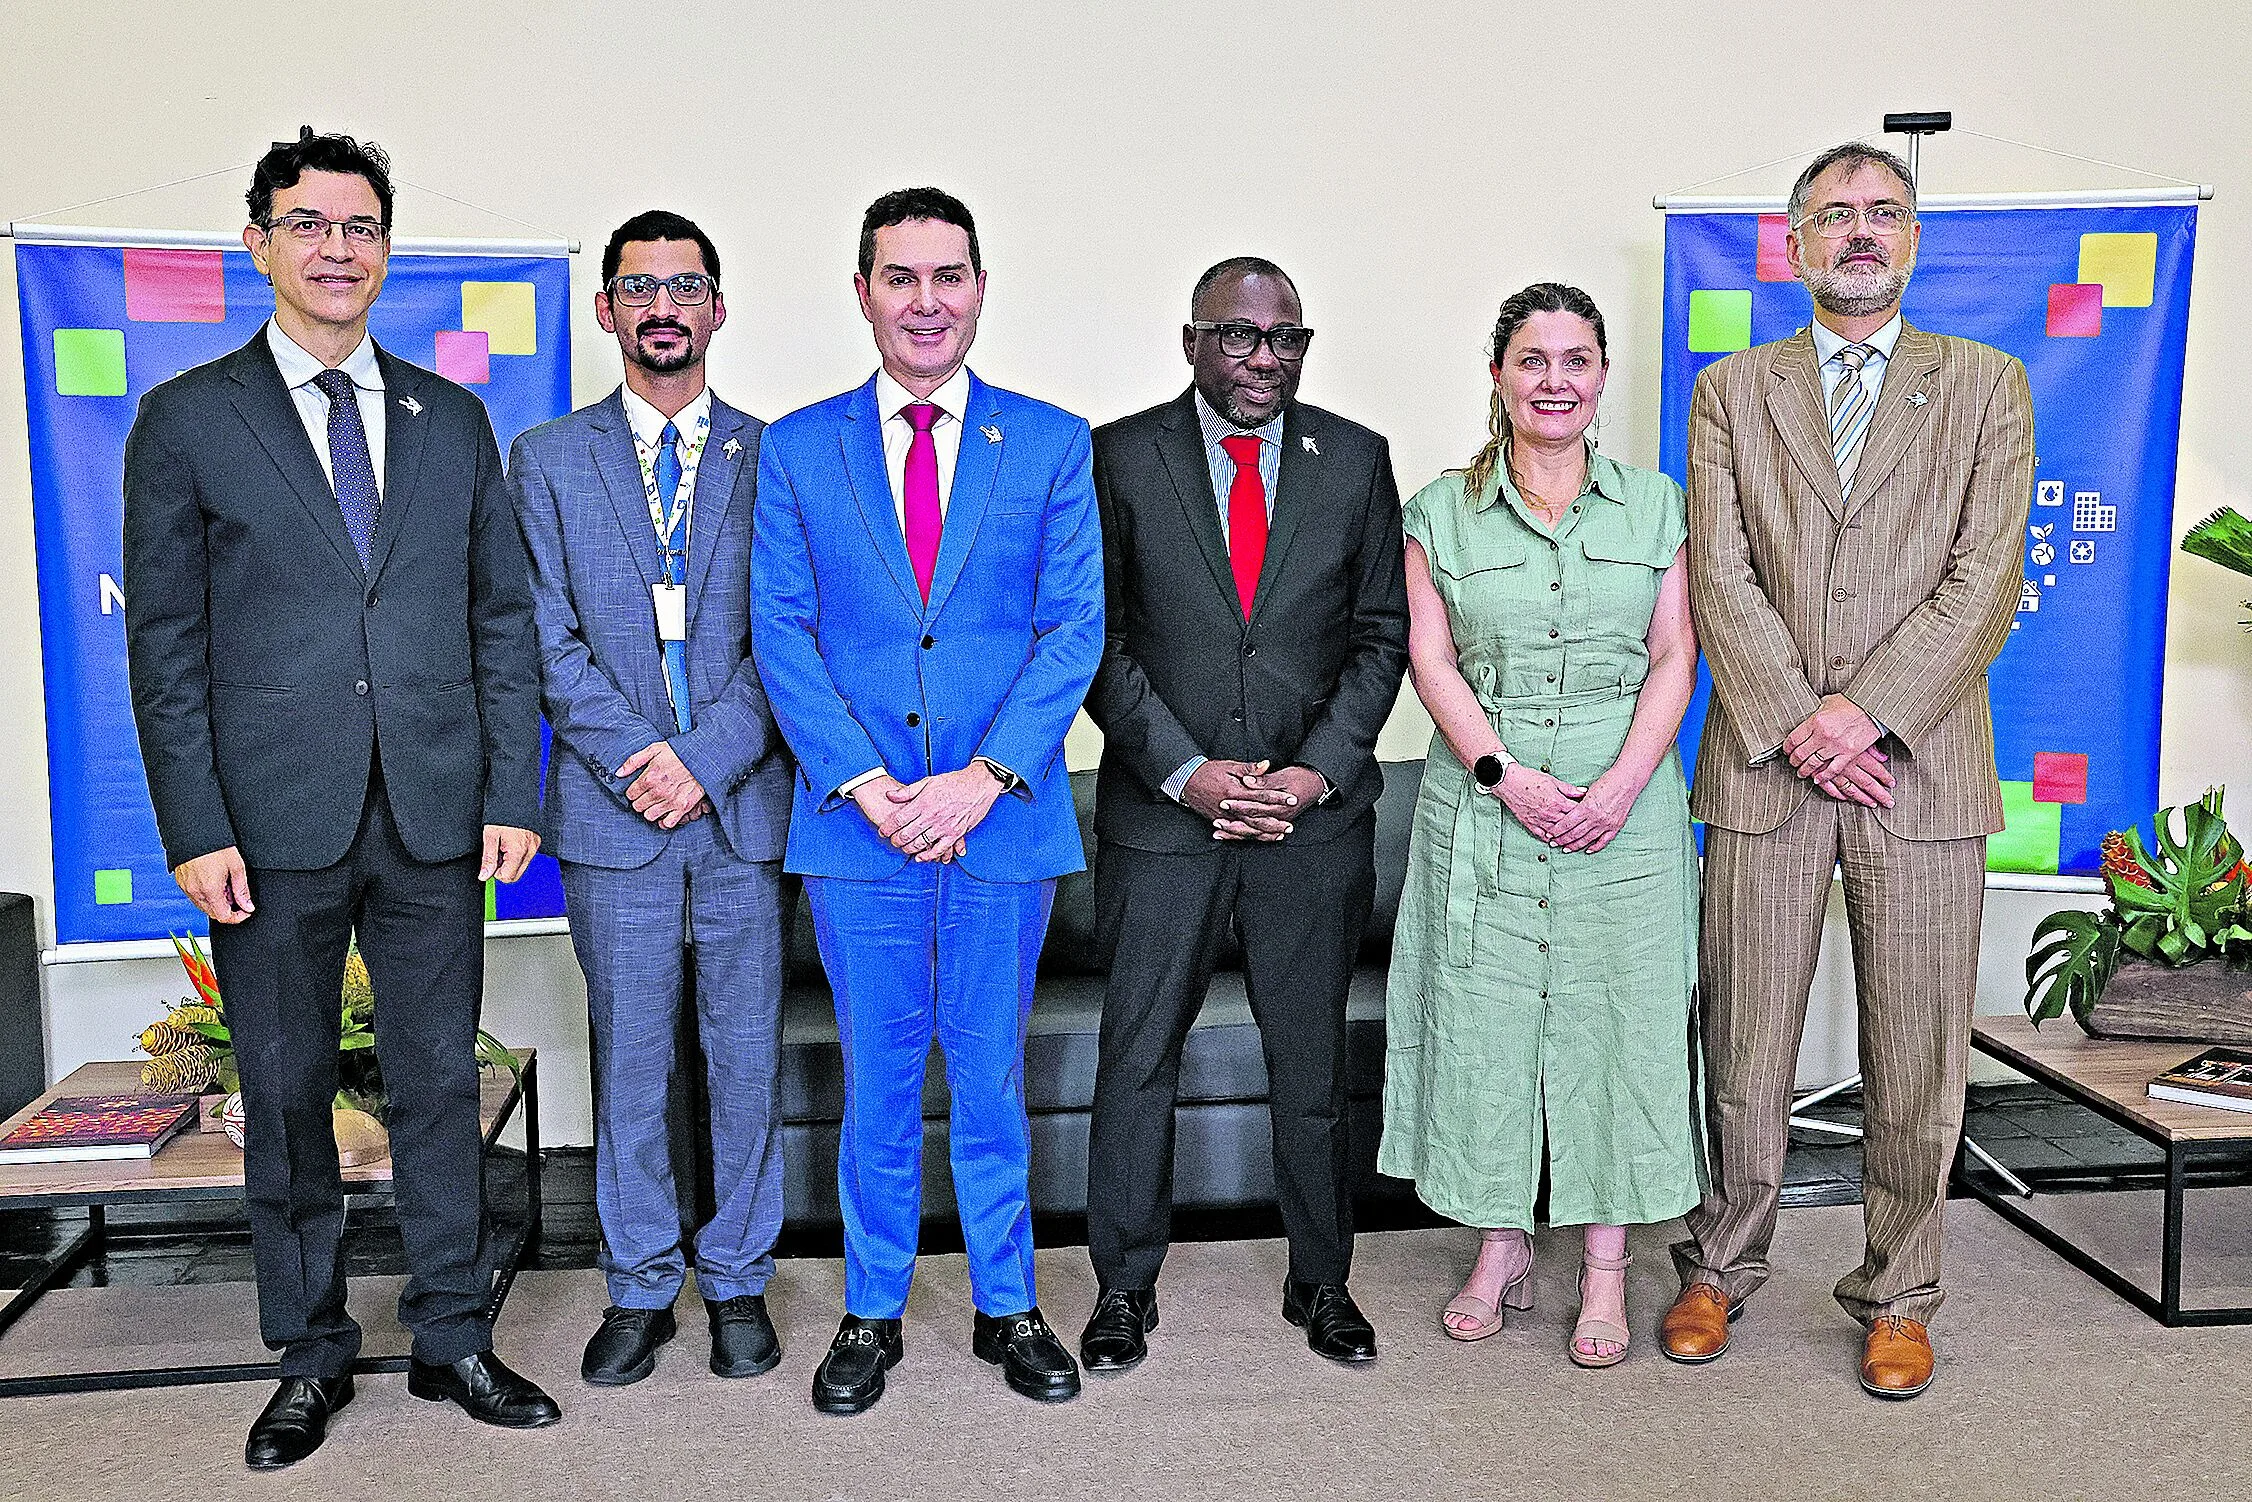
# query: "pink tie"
920,494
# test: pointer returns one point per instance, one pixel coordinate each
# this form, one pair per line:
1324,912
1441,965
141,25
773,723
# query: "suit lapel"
716,474
977,463
270,412
611,446
1300,472
1794,402
1915,360
1181,447
404,431
862,437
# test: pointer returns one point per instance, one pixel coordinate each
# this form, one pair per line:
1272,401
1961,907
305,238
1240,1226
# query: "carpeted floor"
2049,1387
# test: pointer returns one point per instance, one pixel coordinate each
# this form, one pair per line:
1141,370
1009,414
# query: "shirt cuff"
846,790
1180,779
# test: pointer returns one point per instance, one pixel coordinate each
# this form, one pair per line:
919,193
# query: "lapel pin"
1917,398
992,433
1310,447
414,408
732,448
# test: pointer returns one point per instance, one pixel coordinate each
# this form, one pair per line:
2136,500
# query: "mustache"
1861,245
660,325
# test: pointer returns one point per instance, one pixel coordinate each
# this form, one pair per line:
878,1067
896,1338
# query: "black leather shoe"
743,1340
1334,1324
1113,1341
851,1377
1032,1360
486,1390
294,1421
624,1350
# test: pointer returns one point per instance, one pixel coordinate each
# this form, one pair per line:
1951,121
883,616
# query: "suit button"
374,600
929,642
1250,651
1839,594
1236,715
360,687
913,719
1837,662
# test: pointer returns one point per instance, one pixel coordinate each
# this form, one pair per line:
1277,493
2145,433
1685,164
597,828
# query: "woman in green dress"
1540,990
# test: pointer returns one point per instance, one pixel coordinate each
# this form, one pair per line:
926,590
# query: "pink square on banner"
2075,310
468,357
2060,777
1774,264
175,286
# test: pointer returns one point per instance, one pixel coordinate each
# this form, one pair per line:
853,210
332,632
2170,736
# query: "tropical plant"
191,1050
2225,537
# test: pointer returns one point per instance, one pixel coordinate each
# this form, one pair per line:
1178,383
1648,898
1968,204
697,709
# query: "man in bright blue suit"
927,613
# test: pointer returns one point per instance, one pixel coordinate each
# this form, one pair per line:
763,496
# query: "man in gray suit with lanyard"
668,793
333,680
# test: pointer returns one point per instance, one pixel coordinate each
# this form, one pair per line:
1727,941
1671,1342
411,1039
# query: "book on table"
85,1128
2217,1077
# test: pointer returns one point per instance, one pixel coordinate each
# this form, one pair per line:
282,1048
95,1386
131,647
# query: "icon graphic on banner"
2090,514
2030,599
2049,493
2083,550
2044,551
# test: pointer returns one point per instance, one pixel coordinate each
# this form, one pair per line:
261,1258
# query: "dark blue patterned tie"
676,563
351,470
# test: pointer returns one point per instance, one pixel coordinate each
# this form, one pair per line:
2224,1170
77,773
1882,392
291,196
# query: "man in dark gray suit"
1257,634
336,690
668,793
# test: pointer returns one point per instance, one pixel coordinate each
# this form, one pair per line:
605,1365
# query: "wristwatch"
1492,767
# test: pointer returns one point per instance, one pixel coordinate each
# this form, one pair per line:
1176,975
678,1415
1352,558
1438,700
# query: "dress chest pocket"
1483,588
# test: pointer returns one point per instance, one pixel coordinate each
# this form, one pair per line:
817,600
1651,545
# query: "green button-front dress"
1538,996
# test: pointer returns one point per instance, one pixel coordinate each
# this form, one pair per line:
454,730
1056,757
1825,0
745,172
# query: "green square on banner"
89,362
492,900
113,888
2032,835
1719,322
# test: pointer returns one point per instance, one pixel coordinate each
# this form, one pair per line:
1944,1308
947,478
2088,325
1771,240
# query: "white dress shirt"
952,400
297,372
693,423
1828,343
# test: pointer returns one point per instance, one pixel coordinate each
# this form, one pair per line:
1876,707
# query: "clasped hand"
664,792
1564,814
929,819
1245,801
1835,748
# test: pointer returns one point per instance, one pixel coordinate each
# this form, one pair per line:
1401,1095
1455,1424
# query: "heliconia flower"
2119,861
200,974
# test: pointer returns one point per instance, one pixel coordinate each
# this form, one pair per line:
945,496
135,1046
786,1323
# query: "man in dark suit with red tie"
1257,633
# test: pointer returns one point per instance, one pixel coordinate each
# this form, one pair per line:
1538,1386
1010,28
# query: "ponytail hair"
1540,297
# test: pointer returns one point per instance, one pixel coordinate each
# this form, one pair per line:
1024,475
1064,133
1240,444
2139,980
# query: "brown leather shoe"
1696,1327
1897,1361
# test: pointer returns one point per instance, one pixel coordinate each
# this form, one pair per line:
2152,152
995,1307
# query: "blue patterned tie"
351,470
676,561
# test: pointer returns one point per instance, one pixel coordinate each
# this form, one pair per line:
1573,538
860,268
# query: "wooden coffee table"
2111,1076
206,1167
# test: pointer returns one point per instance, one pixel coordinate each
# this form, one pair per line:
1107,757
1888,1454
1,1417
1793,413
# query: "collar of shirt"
1222,468
299,368
952,399
1828,342
1217,427
649,424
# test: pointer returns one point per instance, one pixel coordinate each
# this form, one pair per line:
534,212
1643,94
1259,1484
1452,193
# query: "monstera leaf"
2195,888
2074,955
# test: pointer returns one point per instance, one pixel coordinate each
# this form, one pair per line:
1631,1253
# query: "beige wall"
1410,164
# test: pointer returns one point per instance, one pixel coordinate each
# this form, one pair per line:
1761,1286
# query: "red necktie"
919,486
1247,517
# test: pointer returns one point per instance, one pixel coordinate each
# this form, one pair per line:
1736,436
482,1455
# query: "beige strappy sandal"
1489,1318
1592,1330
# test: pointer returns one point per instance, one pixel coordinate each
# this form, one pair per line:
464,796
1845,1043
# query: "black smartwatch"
1491,768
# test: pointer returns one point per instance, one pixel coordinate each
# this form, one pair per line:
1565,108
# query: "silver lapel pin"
1917,398
414,408
732,448
992,433
1310,447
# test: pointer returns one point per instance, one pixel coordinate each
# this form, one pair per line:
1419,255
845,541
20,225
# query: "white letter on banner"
113,598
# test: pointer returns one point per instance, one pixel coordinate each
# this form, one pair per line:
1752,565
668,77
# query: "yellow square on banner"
507,314
2126,265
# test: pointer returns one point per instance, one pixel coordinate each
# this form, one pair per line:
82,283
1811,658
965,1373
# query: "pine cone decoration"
2119,861
160,1038
359,987
189,1070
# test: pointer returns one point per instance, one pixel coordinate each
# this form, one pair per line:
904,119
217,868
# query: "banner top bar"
2069,198
212,239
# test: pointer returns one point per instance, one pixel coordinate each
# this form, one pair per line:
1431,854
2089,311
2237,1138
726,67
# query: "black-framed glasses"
1239,340
312,229
638,291
1836,221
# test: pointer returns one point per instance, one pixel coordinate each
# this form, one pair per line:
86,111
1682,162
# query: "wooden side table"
2111,1076
205,1167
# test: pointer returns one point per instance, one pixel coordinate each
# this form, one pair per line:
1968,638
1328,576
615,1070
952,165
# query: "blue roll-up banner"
101,325
2095,301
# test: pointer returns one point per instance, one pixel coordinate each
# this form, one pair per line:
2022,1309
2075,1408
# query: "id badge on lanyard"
671,601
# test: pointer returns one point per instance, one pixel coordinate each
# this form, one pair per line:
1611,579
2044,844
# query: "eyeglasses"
312,229
688,289
1834,222
1238,341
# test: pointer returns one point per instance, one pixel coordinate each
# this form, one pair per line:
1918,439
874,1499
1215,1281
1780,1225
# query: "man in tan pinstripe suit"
1857,506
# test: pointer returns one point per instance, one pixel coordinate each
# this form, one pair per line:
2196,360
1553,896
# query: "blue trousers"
933,952
628,927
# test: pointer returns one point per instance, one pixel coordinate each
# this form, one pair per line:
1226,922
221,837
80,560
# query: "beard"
1855,292
681,358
